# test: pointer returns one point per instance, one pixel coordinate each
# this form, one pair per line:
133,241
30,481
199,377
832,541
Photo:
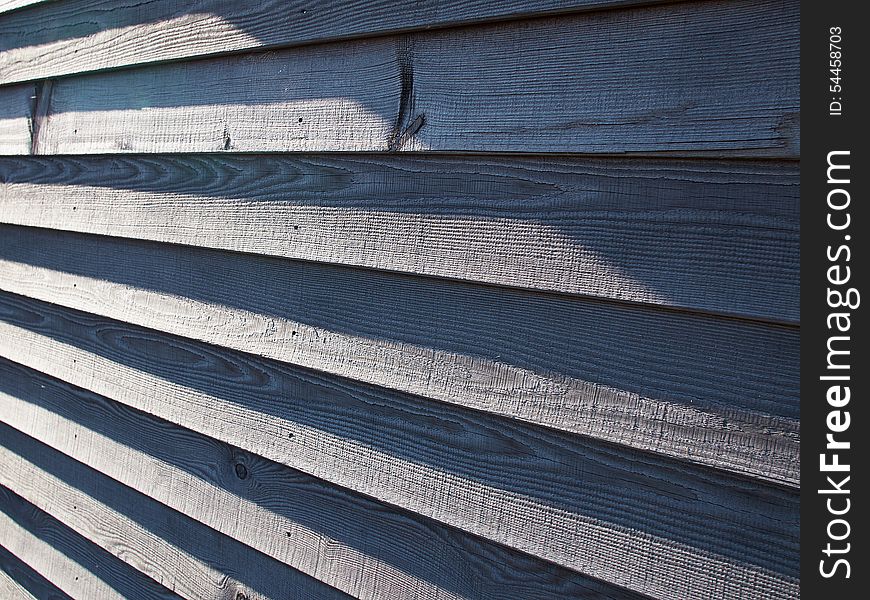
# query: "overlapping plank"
52,552
23,576
720,237
17,589
715,391
86,35
17,107
11,589
677,79
375,551
10,5
189,558
492,477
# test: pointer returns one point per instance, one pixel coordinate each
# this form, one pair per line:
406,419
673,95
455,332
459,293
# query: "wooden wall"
358,298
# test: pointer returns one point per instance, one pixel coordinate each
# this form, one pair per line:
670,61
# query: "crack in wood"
405,60
42,100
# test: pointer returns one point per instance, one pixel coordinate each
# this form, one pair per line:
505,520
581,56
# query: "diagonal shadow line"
732,207
38,25
114,572
261,572
25,576
47,23
609,483
653,353
418,545
622,211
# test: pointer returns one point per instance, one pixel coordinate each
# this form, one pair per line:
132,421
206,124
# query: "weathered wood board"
376,551
10,5
56,553
460,300
182,554
17,108
460,467
679,79
86,35
719,392
718,237
20,575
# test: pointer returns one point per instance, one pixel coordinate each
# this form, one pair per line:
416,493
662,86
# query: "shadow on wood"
301,414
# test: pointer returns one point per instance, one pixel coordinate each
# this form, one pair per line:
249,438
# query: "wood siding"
438,300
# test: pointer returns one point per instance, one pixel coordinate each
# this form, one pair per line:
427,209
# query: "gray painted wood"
375,551
17,105
668,346
25,577
85,35
187,557
720,237
680,79
716,391
9,588
489,476
51,551
7,6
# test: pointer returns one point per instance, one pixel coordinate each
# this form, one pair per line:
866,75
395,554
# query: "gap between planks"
718,392
330,428
463,83
703,236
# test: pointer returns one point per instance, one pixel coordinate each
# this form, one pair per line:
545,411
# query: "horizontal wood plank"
187,557
715,391
680,79
7,6
485,475
720,237
375,551
17,107
52,552
11,589
75,36
25,577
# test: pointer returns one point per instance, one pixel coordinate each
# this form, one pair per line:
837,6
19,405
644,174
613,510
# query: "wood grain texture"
375,551
25,577
715,391
11,589
172,549
86,35
51,551
17,104
720,237
651,517
7,6
679,79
